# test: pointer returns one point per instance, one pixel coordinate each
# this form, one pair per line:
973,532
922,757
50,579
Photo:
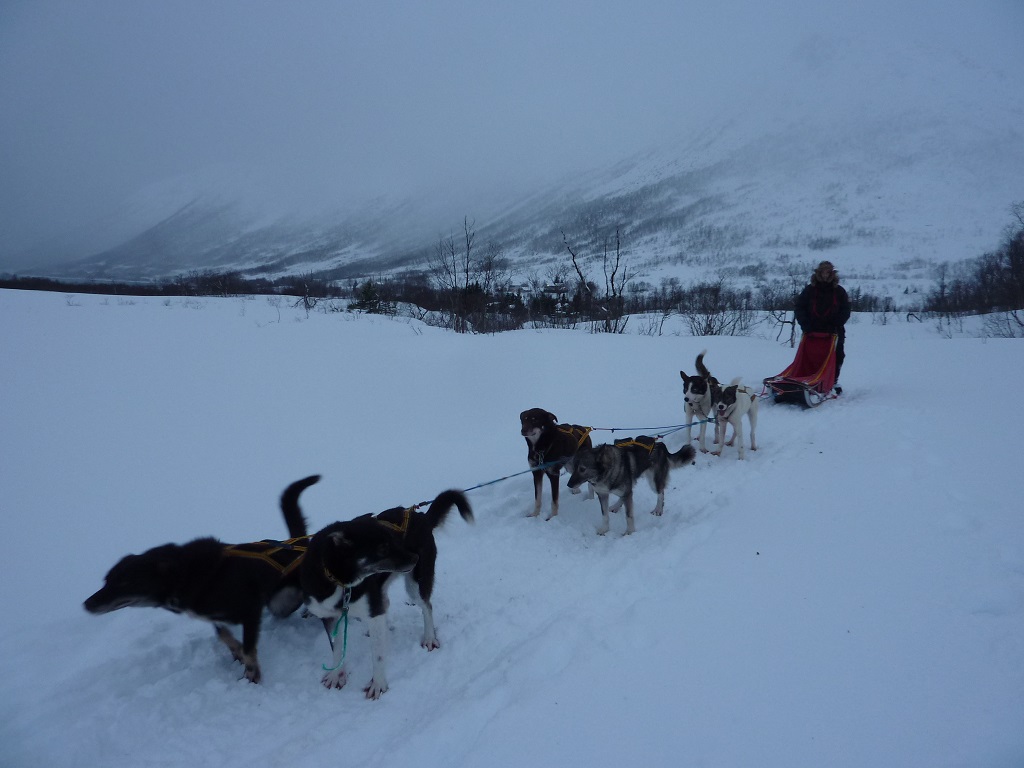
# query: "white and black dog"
733,402
699,395
221,583
616,469
350,564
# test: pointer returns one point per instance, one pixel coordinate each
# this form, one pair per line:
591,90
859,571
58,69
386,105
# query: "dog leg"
605,522
247,658
738,433
420,596
630,524
337,676
702,436
553,478
719,429
538,487
752,415
659,508
378,644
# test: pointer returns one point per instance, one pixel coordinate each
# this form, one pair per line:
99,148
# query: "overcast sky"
100,99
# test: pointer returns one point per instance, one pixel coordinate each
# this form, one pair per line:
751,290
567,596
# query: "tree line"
470,288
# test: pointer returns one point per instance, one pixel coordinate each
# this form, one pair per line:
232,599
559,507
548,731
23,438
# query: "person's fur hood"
825,274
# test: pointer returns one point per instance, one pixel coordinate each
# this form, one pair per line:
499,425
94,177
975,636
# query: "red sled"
809,379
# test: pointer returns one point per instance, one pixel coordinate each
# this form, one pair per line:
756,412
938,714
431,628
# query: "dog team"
348,565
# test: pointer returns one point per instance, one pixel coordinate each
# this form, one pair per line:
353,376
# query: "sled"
809,379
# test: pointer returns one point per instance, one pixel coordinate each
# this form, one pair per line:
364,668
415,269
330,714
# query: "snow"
852,594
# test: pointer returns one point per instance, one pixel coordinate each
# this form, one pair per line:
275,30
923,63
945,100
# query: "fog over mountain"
141,141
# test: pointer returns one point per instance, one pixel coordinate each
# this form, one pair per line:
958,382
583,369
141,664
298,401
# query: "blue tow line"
333,635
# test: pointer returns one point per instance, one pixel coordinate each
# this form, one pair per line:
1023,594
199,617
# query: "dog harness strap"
290,551
572,429
649,447
404,527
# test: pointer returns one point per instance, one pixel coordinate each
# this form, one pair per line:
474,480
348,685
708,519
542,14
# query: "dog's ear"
522,416
338,539
683,376
552,416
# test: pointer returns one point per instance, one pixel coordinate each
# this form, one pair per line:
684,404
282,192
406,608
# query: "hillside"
887,165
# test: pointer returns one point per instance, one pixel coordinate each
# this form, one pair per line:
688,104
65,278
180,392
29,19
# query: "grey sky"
332,100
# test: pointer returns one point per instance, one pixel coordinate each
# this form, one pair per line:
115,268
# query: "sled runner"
809,379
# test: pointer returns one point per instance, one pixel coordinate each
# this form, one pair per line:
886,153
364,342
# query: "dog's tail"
682,457
293,517
702,370
442,505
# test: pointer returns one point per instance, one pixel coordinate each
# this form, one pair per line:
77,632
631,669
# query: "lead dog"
616,469
699,395
221,583
735,401
350,564
553,444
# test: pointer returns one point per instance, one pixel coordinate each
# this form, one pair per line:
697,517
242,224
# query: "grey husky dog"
616,469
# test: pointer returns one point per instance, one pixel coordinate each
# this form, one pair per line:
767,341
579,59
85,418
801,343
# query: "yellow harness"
628,442
283,556
404,527
572,429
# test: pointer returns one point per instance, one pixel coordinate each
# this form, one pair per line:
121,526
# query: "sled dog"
548,441
615,469
221,583
699,394
735,401
350,564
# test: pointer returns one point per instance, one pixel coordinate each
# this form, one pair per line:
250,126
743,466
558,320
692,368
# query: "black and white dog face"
695,389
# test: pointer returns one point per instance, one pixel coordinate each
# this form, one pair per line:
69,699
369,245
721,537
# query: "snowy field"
852,594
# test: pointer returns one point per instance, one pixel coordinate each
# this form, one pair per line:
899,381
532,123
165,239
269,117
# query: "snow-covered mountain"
885,168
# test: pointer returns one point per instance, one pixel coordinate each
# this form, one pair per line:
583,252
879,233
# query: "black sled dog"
548,442
616,469
221,583
350,564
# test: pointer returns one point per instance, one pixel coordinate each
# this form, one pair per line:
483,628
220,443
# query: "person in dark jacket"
824,307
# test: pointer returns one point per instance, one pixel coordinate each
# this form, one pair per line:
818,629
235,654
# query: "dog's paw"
375,690
602,531
336,678
535,513
430,643
252,673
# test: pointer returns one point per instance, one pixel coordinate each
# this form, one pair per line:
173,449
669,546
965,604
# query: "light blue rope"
334,633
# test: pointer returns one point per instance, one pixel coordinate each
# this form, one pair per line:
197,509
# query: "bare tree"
607,310
450,268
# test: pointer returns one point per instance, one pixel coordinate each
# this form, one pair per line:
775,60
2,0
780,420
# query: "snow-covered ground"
852,594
